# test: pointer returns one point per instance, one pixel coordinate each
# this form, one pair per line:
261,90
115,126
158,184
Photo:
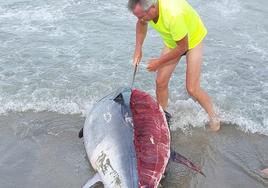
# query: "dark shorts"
171,49
184,53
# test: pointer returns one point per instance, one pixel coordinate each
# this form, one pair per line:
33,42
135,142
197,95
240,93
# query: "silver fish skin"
108,139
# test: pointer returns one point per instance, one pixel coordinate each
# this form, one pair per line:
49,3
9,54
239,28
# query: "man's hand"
137,57
153,65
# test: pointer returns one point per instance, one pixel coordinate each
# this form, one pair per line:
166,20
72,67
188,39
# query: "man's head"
144,10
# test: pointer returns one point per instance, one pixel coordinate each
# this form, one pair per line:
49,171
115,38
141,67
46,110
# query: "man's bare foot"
214,124
265,172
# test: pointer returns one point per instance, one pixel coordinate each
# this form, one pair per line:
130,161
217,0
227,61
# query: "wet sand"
43,150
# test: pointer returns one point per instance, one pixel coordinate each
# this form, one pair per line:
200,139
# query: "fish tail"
176,157
80,134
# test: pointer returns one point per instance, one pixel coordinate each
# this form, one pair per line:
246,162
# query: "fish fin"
80,134
119,99
92,181
176,157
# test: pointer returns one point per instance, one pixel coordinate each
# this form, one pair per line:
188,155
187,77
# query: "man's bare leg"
194,62
162,79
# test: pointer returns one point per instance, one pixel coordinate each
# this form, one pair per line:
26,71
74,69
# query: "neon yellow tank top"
176,19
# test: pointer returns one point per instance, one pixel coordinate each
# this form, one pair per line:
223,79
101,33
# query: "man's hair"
145,4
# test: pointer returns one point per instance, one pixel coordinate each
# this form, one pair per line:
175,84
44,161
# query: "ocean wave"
32,14
186,113
61,106
227,8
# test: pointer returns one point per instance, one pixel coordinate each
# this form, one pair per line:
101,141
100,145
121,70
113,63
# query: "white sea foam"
186,113
61,106
227,8
37,14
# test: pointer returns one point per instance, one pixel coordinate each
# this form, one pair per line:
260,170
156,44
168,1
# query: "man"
182,32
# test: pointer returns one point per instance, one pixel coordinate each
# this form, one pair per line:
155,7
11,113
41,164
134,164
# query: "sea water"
62,56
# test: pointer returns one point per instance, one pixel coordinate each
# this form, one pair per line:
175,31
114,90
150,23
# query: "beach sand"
43,150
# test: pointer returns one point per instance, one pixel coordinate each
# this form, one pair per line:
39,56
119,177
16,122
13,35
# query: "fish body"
108,139
127,141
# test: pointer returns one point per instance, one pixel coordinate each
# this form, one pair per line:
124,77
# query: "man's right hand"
137,57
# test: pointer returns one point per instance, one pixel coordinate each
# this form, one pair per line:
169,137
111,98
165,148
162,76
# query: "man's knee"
161,83
192,90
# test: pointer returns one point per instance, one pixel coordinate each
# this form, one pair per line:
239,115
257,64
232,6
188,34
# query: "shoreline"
42,149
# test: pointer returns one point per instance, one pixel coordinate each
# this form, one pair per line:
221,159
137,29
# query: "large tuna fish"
127,141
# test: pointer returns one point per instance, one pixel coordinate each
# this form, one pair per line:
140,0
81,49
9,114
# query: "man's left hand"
153,65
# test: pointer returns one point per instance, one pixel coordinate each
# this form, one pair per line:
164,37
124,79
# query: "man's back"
176,19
